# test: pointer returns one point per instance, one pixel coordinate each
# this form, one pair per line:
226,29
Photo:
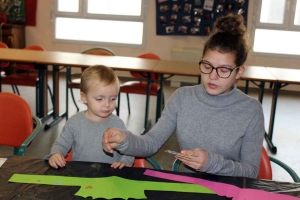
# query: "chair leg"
37,99
68,77
163,103
51,95
67,101
158,101
77,108
118,106
128,103
15,89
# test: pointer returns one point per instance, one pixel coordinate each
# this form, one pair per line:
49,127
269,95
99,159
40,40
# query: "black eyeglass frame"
216,68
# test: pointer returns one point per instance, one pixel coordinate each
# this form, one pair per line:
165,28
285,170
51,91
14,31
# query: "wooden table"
86,60
284,77
56,59
27,56
172,68
26,165
257,74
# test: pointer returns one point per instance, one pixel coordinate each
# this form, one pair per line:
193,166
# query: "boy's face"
100,100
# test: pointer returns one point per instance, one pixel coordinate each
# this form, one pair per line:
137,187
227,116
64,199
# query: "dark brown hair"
100,73
229,36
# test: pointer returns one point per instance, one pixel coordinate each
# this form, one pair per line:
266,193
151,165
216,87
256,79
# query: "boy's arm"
127,159
63,143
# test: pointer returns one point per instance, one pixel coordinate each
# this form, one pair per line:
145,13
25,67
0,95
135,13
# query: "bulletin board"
194,17
12,11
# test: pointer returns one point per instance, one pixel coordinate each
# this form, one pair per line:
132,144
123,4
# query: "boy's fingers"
121,165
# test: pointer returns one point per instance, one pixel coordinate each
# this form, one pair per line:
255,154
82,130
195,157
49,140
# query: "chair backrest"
29,67
265,168
98,51
140,162
69,156
3,45
144,75
15,119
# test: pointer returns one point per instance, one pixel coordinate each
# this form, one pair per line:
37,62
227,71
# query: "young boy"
83,132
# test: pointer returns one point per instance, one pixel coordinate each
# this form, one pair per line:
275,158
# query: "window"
277,27
119,22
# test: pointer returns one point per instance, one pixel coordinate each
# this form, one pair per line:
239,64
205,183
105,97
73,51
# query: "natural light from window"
297,14
124,32
68,6
272,11
115,7
271,41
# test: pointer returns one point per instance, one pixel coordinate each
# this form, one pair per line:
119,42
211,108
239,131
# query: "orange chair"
265,169
26,76
75,83
140,87
141,162
18,126
138,162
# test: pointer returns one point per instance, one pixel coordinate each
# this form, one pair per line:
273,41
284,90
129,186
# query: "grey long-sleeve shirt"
230,127
85,138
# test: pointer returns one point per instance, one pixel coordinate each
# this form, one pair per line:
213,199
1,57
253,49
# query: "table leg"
56,116
246,87
269,135
160,97
147,123
42,100
261,91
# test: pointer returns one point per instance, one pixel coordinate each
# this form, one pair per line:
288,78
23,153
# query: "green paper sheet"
109,187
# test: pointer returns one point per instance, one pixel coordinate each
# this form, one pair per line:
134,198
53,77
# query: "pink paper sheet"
223,189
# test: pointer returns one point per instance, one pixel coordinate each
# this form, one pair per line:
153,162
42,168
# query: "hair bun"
230,24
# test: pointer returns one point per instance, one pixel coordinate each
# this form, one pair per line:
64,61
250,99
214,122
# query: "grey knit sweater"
85,138
230,127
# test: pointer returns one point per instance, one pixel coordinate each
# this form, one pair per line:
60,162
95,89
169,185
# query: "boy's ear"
83,97
240,72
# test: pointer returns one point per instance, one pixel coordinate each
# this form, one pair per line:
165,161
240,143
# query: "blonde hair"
100,73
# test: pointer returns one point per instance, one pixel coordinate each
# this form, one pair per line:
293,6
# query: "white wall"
42,34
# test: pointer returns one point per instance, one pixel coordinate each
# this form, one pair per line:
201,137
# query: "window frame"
287,25
83,14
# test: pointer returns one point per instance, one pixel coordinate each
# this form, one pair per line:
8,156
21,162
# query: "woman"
219,128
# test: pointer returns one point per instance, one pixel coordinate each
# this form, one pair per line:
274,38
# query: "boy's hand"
111,138
120,165
57,160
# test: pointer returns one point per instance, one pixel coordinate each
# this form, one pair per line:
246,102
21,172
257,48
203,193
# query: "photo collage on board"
194,17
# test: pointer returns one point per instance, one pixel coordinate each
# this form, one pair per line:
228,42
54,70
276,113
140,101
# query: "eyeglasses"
223,72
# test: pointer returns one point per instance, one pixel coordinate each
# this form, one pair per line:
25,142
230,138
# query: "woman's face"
213,84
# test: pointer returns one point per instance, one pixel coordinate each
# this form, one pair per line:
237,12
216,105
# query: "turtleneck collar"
221,100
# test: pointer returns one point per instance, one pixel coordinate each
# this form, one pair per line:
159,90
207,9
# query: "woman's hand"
111,138
57,160
195,159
